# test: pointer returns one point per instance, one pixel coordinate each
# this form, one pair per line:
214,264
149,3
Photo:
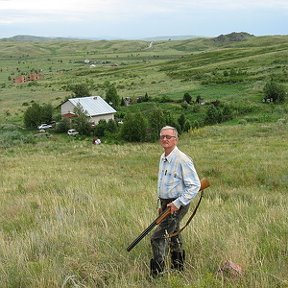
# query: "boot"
156,268
177,260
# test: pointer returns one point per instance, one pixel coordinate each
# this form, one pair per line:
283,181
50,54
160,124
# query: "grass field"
69,209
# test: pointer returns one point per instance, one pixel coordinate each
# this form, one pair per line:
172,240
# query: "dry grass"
69,211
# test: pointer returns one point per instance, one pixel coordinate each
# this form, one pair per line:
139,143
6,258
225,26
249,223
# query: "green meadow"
69,209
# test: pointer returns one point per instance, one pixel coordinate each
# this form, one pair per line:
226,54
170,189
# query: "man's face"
168,139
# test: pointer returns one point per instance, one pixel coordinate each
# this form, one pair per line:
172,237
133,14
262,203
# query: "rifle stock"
204,184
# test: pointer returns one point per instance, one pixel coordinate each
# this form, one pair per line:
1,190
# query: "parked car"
44,126
72,132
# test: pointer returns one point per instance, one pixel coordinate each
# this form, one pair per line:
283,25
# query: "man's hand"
172,207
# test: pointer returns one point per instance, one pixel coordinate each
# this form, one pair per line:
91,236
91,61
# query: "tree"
36,114
274,91
134,128
46,113
112,97
187,97
100,128
156,120
80,90
146,97
213,115
218,113
181,121
32,116
81,123
111,126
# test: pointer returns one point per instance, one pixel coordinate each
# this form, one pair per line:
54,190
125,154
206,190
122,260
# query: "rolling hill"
233,67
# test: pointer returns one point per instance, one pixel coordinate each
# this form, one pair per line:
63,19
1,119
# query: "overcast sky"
135,19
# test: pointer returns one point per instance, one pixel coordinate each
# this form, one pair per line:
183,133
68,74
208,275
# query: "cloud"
115,16
226,4
130,6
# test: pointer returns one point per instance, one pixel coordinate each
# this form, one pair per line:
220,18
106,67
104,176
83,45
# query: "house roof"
93,105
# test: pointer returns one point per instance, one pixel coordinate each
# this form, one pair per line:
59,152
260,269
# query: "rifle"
204,184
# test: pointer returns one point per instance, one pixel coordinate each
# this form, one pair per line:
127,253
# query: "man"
178,184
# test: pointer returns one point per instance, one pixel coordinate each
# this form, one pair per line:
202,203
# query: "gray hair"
170,128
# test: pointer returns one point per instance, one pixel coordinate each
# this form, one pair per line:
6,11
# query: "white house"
94,107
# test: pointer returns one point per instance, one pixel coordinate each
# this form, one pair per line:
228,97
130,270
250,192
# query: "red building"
31,77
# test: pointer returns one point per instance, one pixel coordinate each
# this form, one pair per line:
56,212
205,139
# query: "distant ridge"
180,37
232,37
30,38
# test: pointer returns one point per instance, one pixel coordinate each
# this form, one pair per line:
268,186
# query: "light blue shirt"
177,178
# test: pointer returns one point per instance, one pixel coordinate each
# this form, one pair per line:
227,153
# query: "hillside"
234,69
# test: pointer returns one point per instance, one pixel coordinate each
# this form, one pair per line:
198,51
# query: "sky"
139,19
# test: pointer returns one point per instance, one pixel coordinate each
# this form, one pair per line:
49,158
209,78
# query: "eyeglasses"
168,137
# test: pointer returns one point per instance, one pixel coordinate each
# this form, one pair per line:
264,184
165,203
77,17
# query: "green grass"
69,210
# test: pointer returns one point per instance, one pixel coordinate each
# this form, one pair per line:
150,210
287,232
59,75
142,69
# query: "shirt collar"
170,156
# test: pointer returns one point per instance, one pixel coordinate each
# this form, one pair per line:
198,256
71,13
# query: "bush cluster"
10,136
37,114
274,92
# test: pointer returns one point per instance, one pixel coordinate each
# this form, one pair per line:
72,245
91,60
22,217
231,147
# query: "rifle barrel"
157,221
141,236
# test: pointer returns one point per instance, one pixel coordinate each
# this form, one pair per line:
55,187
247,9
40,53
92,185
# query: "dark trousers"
159,241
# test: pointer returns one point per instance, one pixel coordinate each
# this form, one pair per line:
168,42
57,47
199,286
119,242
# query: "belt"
169,199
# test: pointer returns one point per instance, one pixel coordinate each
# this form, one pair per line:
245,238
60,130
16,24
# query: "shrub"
100,128
80,90
36,114
187,98
187,126
13,138
134,128
218,114
63,125
274,91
